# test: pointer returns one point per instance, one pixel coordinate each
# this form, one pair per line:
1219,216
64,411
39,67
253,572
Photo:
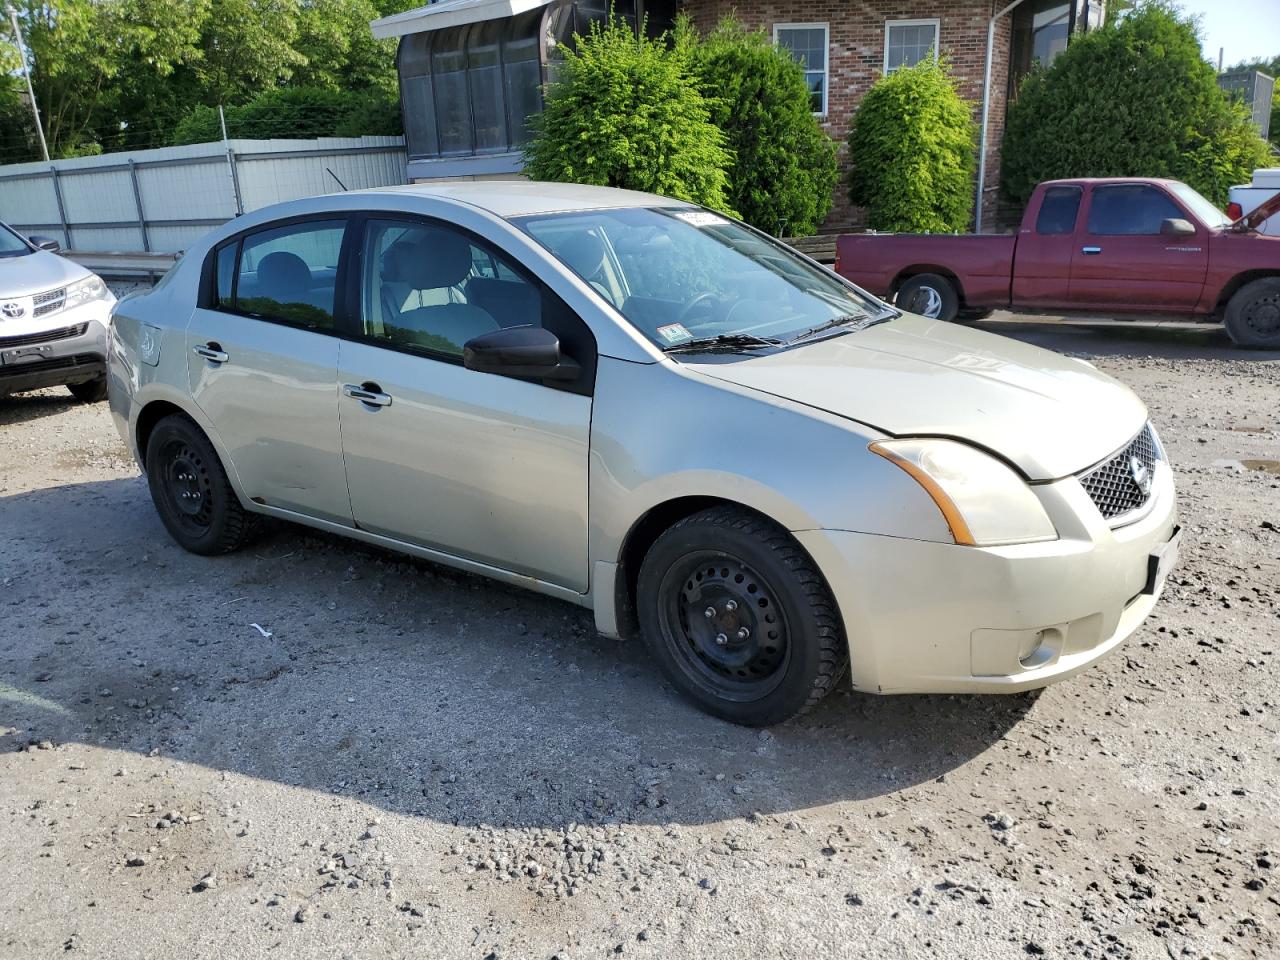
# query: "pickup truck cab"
1115,246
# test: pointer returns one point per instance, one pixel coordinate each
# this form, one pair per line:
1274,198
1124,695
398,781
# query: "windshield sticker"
674,333
700,218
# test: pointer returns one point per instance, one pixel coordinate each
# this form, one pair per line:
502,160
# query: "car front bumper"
67,347
926,617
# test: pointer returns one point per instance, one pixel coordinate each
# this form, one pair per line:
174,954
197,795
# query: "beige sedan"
648,409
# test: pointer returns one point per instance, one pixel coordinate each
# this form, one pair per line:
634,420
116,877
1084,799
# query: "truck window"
1130,209
1058,210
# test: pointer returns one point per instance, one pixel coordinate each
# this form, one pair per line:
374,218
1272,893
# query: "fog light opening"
1044,643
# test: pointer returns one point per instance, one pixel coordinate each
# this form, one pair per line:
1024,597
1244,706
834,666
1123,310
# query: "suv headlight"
84,291
983,501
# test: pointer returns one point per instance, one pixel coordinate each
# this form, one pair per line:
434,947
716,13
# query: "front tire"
1253,314
929,295
90,391
739,617
191,491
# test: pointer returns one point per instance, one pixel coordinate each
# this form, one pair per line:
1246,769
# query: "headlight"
84,291
983,501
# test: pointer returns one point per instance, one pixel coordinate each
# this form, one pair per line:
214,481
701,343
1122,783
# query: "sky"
1246,28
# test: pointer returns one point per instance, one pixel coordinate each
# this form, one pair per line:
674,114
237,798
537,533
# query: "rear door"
1042,265
262,356
1122,262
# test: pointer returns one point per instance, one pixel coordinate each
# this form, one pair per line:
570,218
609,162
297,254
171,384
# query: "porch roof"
450,13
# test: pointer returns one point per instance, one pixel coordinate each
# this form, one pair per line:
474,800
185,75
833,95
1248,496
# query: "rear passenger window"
1130,209
1058,210
289,274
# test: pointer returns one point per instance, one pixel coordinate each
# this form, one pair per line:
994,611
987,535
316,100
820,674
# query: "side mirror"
46,243
1177,227
519,352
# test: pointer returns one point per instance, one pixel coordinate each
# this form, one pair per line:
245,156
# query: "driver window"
431,288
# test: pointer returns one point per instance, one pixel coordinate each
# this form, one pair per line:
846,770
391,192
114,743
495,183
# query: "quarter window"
1058,210
288,275
807,43
907,42
1130,209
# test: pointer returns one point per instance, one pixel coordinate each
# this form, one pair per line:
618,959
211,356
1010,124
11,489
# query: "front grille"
49,302
47,336
1112,485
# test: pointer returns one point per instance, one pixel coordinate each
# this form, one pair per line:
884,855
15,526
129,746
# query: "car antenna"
335,177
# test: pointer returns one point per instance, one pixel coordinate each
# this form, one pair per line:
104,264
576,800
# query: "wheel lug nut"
731,605
743,633
709,612
721,639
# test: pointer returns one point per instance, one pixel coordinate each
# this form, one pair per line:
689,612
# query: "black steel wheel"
191,491
1253,315
739,618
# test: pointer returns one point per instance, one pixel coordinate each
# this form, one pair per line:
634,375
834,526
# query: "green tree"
247,46
294,112
624,111
912,152
1135,98
81,51
784,167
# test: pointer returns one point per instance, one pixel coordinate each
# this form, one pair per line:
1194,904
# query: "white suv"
54,316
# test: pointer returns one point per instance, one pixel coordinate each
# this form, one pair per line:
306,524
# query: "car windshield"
11,245
1200,207
689,276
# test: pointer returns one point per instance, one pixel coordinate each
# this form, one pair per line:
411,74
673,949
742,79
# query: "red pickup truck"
1099,246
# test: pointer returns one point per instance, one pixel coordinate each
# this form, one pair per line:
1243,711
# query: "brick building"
470,70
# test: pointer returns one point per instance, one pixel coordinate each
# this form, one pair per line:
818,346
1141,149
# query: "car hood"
1048,414
35,273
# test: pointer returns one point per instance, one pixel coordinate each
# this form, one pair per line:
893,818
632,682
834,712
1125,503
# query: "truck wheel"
970,315
739,618
929,295
1253,315
191,491
91,391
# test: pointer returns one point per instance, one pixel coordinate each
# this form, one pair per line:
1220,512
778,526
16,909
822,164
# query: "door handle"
1091,251
369,393
212,352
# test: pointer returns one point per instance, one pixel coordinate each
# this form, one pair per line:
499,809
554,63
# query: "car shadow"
1121,338
22,407
407,685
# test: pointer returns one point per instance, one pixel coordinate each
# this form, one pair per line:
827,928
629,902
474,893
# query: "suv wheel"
191,491
739,618
90,391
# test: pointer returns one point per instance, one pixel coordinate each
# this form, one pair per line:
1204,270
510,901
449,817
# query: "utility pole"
26,72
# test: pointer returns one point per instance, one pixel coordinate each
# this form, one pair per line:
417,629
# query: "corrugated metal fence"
159,201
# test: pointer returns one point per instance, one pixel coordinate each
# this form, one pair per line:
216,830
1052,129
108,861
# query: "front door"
483,467
1123,262
263,358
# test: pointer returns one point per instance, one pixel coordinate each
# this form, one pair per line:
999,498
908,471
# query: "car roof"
1101,181
518,198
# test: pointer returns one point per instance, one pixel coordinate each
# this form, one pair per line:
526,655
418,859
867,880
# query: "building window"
907,42
807,42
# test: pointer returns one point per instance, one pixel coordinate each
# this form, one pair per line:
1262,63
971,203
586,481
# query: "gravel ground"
409,762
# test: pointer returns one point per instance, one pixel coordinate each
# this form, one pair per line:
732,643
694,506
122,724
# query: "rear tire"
90,391
191,491
929,295
739,617
968,315
1252,317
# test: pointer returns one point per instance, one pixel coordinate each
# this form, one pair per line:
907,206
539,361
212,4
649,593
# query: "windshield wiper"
862,322
725,340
